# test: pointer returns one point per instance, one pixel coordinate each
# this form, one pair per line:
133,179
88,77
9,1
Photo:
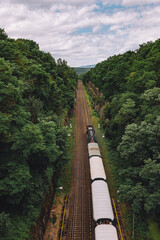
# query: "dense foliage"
130,83
36,93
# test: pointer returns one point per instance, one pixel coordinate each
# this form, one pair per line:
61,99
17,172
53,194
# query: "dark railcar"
91,136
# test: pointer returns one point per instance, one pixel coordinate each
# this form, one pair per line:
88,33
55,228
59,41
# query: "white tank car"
96,168
93,149
105,232
102,207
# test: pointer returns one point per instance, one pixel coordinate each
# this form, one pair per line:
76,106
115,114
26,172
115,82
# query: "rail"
76,177
80,211
117,219
64,213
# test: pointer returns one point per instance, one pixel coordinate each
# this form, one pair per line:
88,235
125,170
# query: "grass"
66,171
154,230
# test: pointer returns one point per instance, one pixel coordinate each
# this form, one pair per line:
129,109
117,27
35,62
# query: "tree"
134,194
150,175
5,226
14,183
150,106
3,35
35,95
140,142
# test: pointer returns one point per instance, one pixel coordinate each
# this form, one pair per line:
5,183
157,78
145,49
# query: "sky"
83,32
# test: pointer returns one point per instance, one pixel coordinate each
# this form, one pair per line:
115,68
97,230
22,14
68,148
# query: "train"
91,136
103,214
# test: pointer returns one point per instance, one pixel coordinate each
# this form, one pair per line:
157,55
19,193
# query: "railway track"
86,110
80,223
80,209
87,121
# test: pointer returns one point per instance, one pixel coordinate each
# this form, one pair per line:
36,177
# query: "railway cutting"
80,224
88,175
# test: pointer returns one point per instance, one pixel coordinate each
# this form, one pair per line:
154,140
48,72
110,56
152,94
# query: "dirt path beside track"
52,230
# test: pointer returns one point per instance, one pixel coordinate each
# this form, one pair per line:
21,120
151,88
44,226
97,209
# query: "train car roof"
105,231
97,168
101,201
93,149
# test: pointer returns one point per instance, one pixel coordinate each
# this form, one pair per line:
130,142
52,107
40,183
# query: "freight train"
101,201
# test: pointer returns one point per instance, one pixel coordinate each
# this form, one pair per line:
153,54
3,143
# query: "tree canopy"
36,94
130,83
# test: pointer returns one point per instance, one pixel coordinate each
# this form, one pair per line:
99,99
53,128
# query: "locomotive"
101,201
91,136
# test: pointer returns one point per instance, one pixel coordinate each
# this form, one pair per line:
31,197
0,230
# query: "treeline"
130,83
80,70
36,94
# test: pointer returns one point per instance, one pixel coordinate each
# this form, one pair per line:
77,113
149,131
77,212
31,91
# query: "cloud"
50,3
138,2
82,32
109,2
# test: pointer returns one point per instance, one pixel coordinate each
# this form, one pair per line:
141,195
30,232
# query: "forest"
130,84
36,96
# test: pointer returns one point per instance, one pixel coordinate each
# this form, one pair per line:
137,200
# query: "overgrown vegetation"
36,94
65,175
130,83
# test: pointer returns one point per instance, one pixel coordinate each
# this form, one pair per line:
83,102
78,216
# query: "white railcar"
102,207
97,168
105,232
93,149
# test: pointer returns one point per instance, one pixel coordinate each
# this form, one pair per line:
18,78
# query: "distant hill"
83,69
88,66
80,71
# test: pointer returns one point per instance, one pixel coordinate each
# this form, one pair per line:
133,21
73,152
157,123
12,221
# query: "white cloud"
138,2
49,3
74,31
96,28
109,2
